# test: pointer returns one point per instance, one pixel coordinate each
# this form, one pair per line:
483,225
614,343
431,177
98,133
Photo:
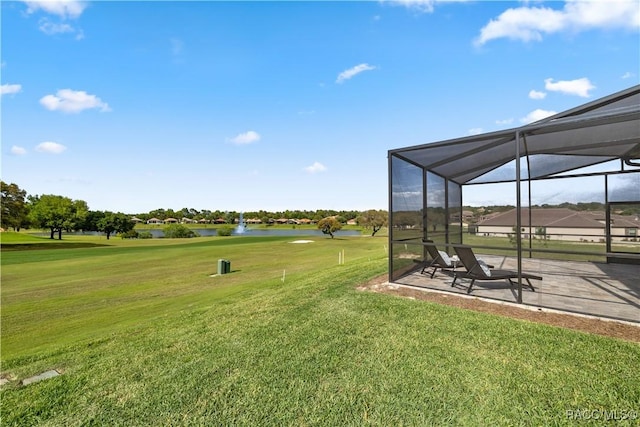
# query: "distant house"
204,221
219,221
155,221
306,221
467,216
352,222
253,221
171,221
188,221
136,220
561,224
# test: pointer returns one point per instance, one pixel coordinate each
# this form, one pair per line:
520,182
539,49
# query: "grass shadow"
6,247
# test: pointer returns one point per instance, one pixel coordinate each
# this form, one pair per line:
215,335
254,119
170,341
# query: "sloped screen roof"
597,132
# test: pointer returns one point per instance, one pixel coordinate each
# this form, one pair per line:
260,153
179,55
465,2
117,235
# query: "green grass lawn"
143,335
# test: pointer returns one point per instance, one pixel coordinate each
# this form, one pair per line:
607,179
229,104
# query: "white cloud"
419,5
504,122
536,115
580,87
530,23
424,6
316,167
246,138
603,14
62,8
50,147
475,131
627,75
73,101
534,94
9,89
351,72
18,151
523,23
51,28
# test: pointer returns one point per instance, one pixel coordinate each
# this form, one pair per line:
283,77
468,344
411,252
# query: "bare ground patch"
609,328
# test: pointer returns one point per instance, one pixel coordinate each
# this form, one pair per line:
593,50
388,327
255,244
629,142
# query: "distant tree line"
231,216
372,219
58,213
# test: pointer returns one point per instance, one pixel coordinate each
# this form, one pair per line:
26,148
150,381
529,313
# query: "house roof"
560,218
597,132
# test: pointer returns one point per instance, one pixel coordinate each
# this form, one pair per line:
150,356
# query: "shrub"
145,235
131,234
178,231
225,230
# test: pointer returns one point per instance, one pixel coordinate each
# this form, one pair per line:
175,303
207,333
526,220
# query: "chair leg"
426,267
530,285
455,277
433,273
470,286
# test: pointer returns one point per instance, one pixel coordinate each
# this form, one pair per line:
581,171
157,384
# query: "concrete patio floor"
597,289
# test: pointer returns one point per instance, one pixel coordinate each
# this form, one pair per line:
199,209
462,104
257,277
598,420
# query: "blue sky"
135,106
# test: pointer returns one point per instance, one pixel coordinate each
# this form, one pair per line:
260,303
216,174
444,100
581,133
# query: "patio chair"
478,270
439,259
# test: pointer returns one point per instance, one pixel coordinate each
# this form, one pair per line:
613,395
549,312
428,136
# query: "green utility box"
224,266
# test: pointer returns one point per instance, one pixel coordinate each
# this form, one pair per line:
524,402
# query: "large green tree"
58,213
329,225
109,222
374,219
15,209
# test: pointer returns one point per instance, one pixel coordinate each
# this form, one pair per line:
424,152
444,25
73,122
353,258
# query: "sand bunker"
302,241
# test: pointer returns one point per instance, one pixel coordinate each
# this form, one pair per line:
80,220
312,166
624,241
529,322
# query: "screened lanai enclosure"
559,197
